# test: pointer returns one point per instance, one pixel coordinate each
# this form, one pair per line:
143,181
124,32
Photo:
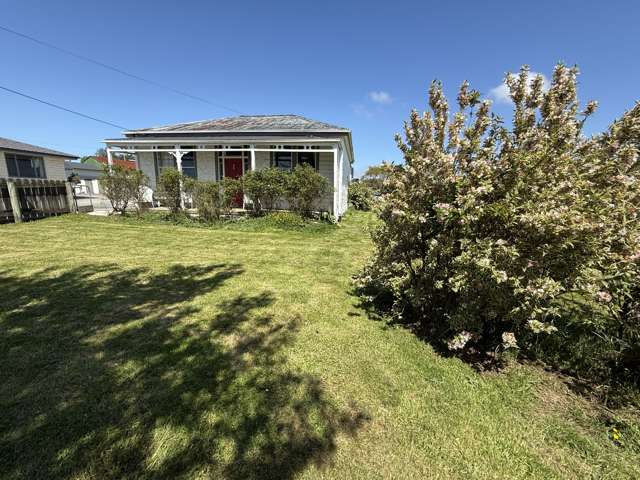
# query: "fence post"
70,202
15,201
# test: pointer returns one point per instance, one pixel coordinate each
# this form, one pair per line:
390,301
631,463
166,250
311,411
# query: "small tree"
122,186
303,187
170,189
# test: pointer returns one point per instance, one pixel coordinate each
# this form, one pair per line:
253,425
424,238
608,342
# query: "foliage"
303,187
74,178
232,189
211,199
139,187
530,230
264,187
170,188
286,220
123,186
375,176
360,196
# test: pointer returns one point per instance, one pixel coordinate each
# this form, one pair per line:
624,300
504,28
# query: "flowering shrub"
515,237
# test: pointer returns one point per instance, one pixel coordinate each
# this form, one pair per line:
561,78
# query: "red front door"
233,169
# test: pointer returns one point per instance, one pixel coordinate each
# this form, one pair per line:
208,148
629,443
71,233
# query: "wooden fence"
30,199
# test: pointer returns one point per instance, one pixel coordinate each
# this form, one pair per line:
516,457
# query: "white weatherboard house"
229,147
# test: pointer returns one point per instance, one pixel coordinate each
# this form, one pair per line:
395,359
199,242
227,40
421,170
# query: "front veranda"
216,161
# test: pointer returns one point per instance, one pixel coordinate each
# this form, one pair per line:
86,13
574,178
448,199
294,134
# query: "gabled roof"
8,144
246,123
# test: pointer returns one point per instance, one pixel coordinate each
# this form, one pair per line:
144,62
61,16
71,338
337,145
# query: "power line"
117,70
62,108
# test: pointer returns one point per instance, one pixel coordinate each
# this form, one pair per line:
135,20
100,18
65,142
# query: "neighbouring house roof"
117,161
14,145
245,123
85,170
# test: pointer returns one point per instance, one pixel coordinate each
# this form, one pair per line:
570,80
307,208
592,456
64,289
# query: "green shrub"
360,196
285,220
170,189
139,184
210,199
303,187
232,190
494,238
123,186
264,187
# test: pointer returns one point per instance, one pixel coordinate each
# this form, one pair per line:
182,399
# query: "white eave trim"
217,140
173,132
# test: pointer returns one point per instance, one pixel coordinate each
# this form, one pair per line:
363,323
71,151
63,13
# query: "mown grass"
142,350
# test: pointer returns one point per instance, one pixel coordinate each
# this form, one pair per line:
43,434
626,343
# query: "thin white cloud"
381,97
501,93
361,110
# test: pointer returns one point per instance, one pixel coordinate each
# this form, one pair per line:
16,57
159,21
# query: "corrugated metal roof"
8,144
248,123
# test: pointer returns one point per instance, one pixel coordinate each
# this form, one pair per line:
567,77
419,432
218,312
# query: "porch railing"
30,199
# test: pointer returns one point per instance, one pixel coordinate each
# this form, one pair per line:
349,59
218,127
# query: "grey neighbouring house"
33,182
22,160
229,147
87,174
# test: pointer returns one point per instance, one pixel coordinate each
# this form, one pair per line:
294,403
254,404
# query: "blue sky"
361,65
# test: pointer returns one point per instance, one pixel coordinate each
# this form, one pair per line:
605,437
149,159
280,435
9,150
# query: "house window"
24,166
283,160
310,158
190,164
164,161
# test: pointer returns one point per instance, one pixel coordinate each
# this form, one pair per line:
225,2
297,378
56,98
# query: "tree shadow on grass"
113,373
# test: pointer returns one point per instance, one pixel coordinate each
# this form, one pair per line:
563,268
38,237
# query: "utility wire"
62,108
116,69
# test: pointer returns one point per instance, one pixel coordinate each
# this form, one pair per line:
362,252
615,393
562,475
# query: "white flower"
509,340
500,276
540,327
442,206
459,341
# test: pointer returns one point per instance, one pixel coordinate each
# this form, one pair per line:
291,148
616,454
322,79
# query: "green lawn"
131,350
